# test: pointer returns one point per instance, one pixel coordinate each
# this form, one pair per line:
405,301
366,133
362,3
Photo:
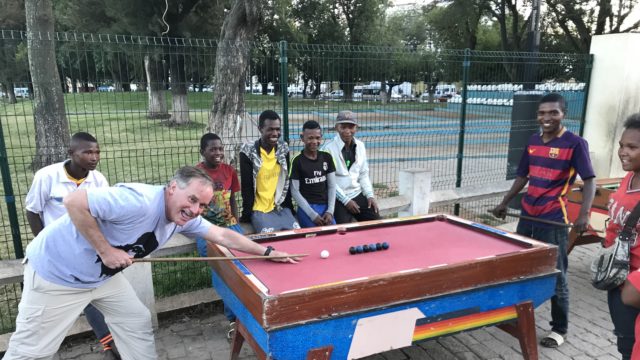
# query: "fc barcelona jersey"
552,168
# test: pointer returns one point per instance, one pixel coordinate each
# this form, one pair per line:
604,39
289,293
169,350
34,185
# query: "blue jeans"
96,320
275,220
305,221
624,319
558,236
201,245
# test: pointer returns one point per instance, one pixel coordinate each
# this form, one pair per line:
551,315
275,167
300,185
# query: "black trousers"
343,216
624,319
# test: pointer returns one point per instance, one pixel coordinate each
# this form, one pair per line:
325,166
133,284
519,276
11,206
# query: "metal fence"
446,110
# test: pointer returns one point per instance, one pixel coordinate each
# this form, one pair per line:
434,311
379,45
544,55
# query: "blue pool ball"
385,245
359,249
372,247
365,248
352,250
378,246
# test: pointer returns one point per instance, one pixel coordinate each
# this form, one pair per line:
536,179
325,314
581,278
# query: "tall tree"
317,24
580,20
363,21
232,61
50,119
13,57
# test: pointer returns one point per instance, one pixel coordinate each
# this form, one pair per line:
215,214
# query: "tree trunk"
180,110
154,70
11,94
232,62
50,119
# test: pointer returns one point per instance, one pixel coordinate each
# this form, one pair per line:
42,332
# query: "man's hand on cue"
115,258
292,260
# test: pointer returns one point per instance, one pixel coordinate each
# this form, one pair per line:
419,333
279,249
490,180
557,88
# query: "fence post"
587,80
284,87
9,197
466,64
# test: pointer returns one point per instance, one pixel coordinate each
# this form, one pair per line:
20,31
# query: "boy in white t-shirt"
44,205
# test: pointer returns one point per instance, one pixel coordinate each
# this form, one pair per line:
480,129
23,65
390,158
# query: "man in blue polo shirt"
78,260
550,163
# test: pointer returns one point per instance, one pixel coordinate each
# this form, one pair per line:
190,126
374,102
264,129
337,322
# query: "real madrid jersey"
312,175
552,168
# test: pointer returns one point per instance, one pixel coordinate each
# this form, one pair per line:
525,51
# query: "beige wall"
614,94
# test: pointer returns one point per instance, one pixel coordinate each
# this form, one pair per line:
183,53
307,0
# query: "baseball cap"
347,117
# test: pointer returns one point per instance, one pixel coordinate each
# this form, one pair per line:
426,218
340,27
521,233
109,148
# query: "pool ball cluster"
368,248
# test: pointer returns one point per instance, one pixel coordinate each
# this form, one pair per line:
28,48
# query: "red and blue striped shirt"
552,168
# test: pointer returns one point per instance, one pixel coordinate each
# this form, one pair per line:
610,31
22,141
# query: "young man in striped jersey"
550,163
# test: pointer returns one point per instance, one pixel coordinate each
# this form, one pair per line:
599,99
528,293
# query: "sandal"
553,340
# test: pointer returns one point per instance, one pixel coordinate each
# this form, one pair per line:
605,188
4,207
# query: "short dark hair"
555,98
186,174
204,140
80,137
83,136
267,115
311,125
632,122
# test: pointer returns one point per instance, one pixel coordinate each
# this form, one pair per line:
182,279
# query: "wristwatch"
269,250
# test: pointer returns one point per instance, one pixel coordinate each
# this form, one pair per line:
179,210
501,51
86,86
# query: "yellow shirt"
266,182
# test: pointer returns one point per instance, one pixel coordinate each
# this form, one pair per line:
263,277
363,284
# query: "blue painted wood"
293,342
241,312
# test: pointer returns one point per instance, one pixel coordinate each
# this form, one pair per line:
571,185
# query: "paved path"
201,335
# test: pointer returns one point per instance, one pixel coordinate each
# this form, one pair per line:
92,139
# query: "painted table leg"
525,330
241,334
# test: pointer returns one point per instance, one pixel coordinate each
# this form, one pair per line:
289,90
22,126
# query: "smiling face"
270,132
550,115
629,151
311,138
213,153
184,204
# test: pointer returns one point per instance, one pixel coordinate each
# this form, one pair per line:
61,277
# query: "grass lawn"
134,149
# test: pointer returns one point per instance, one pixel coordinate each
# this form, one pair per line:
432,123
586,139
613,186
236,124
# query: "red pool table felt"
412,246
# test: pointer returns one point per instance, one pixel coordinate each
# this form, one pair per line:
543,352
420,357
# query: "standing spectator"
354,191
621,204
313,179
264,171
550,163
222,210
44,205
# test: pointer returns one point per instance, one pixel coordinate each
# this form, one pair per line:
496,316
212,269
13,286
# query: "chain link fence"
147,100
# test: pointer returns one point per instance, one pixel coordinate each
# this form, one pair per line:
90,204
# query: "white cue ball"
324,254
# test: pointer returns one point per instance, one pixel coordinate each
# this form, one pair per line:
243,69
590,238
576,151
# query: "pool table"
441,275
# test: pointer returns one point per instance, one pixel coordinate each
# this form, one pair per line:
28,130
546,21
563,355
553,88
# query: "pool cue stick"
216,258
544,221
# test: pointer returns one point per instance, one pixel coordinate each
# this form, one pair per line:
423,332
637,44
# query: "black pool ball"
372,247
359,249
378,246
365,248
353,251
385,245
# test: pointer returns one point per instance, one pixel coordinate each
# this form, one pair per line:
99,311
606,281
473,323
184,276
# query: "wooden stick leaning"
216,258
544,221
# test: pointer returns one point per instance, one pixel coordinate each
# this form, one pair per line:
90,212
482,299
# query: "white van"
21,92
